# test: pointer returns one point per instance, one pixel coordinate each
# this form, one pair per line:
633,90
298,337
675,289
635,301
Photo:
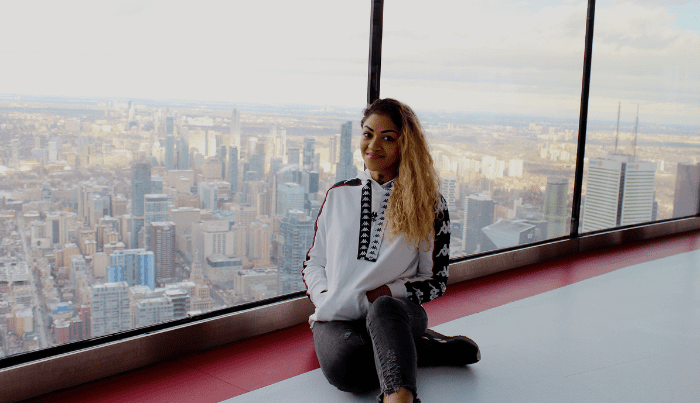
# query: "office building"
687,192
183,154
449,188
345,169
296,236
169,152
163,245
133,266
140,187
109,308
155,210
309,143
478,213
620,191
232,172
290,196
235,129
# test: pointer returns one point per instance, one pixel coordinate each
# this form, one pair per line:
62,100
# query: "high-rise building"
290,196
232,176
155,209
56,228
296,236
163,242
140,187
109,308
169,152
686,199
620,191
449,187
478,213
309,143
293,155
133,266
346,168
169,125
183,155
555,203
236,128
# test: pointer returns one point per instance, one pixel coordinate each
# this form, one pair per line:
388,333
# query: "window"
642,144
164,143
498,88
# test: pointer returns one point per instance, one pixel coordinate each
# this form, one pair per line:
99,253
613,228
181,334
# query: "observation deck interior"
617,325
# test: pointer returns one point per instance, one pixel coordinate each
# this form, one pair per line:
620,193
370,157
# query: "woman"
381,248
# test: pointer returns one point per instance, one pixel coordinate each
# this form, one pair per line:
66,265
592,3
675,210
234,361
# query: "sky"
478,56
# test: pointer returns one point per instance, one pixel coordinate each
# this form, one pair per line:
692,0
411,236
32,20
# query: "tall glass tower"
345,168
140,187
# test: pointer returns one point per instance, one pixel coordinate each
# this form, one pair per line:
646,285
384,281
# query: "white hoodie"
339,269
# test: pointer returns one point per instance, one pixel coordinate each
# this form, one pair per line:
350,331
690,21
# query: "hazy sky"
521,57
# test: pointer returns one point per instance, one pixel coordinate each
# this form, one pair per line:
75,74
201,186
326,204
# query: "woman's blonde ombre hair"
415,200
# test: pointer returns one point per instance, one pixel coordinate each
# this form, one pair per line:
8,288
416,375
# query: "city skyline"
501,68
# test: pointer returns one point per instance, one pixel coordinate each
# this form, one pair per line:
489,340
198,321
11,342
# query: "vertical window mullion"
375,51
583,120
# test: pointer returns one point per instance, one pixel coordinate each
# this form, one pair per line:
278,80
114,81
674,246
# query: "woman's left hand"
378,292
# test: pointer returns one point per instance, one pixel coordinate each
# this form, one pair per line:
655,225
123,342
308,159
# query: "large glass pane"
643,142
159,159
497,85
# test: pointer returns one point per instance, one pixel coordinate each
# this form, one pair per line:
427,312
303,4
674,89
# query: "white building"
620,191
110,308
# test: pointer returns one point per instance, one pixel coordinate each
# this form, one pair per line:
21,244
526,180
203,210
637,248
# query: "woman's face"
380,147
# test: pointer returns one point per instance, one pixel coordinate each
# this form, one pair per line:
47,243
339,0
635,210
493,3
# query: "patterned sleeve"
434,264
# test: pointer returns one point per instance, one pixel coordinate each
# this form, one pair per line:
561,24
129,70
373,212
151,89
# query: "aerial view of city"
117,214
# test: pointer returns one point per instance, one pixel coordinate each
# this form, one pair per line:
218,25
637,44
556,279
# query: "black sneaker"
435,349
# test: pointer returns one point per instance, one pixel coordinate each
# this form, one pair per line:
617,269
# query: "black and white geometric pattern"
371,239
427,290
365,221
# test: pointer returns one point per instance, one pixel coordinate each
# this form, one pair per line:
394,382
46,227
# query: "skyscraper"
686,197
236,128
169,152
478,213
133,266
345,168
449,188
233,169
163,248
296,235
140,186
183,155
290,196
555,201
155,209
309,143
620,191
293,155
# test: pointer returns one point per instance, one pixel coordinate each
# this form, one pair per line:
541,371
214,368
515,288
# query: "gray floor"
632,335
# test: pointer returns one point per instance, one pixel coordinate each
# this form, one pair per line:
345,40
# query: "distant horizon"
428,115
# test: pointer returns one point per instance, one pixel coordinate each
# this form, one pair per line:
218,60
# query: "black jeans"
357,356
